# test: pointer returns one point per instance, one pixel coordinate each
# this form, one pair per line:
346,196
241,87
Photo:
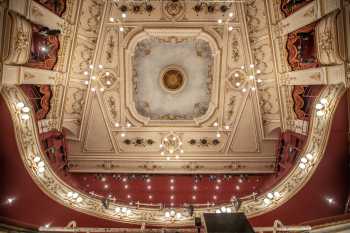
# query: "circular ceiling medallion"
173,79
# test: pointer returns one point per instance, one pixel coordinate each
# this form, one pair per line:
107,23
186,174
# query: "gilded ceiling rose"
172,79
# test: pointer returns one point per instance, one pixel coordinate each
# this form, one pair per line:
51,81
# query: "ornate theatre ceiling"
134,81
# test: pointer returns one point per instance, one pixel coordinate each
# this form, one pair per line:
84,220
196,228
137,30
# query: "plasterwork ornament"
329,40
20,37
173,10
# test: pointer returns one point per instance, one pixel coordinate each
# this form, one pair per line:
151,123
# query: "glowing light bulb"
230,14
270,195
219,20
124,15
309,156
122,135
251,65
178,215
319,106
121,29
303,160
93,89
41,164
230,28
19,105
36,159
238,84
215,124
251,77
108,82
267,201
100,66
276,194
324,101
111,19
86,73
244,90
86,82
117,124
102,89
91,67
302,166
93,77
25,109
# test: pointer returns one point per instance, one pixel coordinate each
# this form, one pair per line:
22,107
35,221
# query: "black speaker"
227,223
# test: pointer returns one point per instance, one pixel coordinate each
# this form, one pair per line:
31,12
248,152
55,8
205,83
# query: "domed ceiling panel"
134,82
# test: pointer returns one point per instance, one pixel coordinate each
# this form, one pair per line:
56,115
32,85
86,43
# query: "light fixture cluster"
40,164
172,214
321,107
219,129
123,211
23,110
305,161
223,209
250,78
123,128
272,196
171,146
93,78
74,197
124,13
